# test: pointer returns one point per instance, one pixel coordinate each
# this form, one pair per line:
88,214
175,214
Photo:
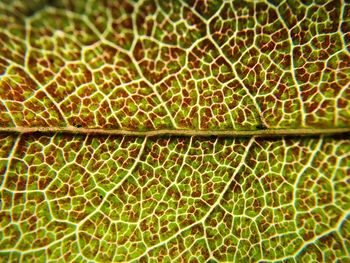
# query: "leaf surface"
175,64
174,199
135,131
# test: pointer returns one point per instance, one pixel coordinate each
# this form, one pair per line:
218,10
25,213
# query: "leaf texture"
160,75
112,199
149,65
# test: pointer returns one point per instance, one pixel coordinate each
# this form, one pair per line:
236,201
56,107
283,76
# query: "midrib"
181,132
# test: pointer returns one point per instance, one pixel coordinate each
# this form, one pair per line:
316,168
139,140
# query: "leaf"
171,131
172,199
175,65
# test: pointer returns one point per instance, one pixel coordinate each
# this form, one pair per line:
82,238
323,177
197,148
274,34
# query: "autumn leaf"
174,131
